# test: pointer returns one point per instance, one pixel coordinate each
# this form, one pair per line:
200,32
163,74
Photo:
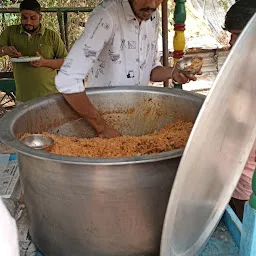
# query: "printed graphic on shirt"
102,64
148,49
67,63
105,25
152,18
89,53
122,44
66,66
95,30
131,44
100,71
112,40
130,74
114,57
114,35
137,28
143,65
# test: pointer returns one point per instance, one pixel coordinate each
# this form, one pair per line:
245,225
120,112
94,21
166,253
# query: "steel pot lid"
216,153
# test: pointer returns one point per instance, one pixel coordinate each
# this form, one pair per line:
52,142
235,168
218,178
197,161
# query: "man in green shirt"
31,38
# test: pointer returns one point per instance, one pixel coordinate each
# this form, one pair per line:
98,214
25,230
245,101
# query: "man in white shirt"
9,245
118,48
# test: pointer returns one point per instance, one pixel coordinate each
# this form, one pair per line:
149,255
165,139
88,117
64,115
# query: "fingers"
12,48
191,77
179,77
182,78
109,133
35,63
14,52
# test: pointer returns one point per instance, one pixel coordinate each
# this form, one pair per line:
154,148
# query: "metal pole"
61,9
60,21
3,19
165,36
66,29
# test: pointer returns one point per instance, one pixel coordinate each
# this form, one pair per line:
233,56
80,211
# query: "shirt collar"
40,32
128,12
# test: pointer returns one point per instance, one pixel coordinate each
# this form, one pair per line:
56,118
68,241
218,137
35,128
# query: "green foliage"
74,30
50,20
225,4
170,13
5,3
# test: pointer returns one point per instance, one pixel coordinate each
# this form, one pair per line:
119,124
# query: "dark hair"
31,5
239,14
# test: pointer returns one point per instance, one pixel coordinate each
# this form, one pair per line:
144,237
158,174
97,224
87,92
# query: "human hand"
38,63
11,51
182,78
108,133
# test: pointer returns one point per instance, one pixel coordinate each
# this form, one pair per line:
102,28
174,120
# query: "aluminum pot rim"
7,135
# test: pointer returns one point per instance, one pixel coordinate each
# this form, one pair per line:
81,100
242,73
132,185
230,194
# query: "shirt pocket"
46,51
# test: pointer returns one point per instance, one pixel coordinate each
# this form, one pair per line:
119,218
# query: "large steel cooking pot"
100,207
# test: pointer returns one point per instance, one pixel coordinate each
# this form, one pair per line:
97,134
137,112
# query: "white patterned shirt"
114,50
9,245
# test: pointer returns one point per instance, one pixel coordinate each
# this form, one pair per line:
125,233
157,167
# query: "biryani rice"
172,136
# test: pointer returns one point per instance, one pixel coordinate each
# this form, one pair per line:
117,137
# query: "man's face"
30,20
143,9
234,36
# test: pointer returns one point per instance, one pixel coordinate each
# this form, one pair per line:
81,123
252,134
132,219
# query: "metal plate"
24,59
216,153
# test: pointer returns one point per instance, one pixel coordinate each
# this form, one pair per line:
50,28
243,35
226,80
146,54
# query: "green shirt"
33,82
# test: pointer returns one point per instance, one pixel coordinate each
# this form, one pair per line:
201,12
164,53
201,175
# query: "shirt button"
141,49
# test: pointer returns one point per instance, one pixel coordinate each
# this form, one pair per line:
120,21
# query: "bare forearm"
53,64
82,105
160,74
